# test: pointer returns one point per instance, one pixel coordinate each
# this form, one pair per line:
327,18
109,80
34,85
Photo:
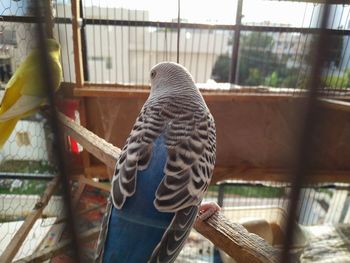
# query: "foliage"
22,166
256,191
22,187
251,191
259,65
334,54
272,80
335,81
221,69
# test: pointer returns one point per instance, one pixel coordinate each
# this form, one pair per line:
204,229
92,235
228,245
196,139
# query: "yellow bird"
25,91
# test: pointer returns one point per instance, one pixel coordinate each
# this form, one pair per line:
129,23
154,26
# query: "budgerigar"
25,91
162,174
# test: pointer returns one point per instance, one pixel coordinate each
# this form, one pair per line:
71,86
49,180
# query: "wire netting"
120,45
26,159
123,42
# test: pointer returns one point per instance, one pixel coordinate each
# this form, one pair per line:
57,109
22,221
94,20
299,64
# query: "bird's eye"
153,74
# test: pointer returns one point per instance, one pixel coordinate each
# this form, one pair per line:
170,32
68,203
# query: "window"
22,139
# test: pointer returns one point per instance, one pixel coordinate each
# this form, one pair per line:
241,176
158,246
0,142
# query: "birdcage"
274,74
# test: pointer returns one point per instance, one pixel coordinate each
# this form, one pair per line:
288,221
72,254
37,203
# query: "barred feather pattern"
190,137
103,232
181,115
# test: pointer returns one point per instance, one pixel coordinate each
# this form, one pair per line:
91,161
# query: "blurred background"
252,60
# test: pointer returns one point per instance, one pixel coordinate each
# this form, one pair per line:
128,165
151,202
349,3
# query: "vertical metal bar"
303,71
122,47
196,77
49,19
94,41
129,40
83,45
136,47
62,171
165,55
206,58
78,65
67,45
192,49
143,50
330,75
101,58
235,46
307,125
109,57
115,47
178,32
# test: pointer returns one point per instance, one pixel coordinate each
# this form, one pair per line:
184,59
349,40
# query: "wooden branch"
105,187
236,241
16,242
58,229
335,104
102,150
61,247
96,171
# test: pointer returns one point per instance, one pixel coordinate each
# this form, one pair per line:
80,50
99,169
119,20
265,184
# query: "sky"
208,11
224,11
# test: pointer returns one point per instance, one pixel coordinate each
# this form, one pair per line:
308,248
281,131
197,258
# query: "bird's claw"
207,209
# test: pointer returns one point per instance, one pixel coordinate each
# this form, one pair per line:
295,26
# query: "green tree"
258,64
256,57
272,80
334,54
221,69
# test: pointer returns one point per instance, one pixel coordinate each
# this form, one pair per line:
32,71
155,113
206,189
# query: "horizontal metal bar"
302,30
283,185
24,176
332,2
136,23
33,20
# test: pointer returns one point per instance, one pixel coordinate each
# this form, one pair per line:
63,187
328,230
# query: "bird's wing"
13,91
188,173
32,74
22,105
136,154
175,236
191,143
103,233
190,139
25,90
17,100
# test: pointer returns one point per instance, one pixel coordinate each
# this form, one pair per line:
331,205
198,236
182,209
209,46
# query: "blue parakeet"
162,173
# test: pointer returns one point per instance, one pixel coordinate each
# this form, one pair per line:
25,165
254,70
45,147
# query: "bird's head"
170,78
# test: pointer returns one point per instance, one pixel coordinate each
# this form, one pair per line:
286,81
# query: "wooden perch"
16,242
335,104
59,248
236,241
102,150
232,238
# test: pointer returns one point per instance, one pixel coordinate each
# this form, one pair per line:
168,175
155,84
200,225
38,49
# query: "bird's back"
136,229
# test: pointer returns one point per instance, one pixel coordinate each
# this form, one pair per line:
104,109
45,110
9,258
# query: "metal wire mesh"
26,162
122,45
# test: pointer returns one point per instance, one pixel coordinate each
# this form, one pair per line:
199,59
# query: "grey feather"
176,109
